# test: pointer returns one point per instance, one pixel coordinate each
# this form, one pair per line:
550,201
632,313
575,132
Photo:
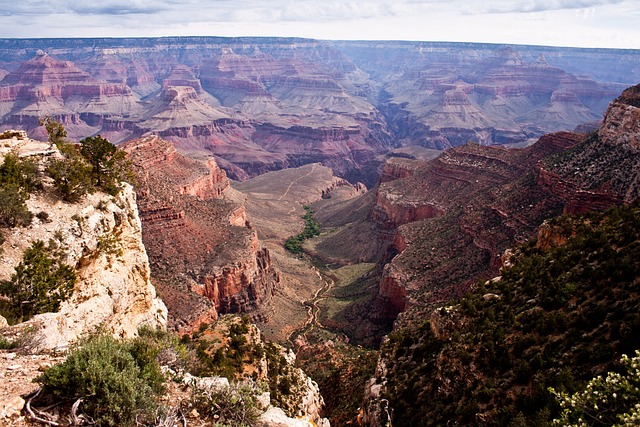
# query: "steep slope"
478,201
205,257
563,310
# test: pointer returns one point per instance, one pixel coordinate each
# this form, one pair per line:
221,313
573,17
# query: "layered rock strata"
271,103
205,258
456,215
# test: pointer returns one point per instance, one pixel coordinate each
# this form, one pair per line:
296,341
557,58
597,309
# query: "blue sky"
581,23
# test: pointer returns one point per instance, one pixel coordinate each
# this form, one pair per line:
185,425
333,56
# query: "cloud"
585,23
529,6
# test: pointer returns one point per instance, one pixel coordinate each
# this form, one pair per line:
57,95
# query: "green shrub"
109,165
614,400
22,173
41,282
71,177
17,178
55,130
235,405
118,381
13,210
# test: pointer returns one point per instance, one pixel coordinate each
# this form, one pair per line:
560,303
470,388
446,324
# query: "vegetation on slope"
341,370
232,348
148,380
311,229
556,318
119,382
42,281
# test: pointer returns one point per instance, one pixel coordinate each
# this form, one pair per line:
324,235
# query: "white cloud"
596,23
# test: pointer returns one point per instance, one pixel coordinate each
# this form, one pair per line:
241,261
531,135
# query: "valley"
445,183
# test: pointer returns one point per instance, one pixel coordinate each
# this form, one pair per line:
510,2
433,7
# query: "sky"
574,23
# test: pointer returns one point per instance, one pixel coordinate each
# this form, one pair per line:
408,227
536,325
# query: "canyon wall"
454,216
262,104
205,257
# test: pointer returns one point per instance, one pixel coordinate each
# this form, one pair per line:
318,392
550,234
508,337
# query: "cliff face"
204,256
263,104
113,290
454,216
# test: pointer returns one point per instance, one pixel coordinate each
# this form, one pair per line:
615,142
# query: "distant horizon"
608,24
310,39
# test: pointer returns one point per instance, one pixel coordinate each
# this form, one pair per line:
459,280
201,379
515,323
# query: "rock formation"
113,291
262,104
456,215
205,258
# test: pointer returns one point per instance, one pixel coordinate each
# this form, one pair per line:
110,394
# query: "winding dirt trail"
313,167
313,310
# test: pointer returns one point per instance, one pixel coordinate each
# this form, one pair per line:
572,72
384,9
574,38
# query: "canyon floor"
275,204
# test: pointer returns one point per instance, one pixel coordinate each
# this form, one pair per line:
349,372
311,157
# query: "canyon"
262,104
422,162
206,259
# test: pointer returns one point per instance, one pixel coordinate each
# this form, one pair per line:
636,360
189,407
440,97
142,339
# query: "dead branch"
184,419
33,415
74,412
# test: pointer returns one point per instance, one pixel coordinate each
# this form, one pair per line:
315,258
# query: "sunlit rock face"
262,104
206,259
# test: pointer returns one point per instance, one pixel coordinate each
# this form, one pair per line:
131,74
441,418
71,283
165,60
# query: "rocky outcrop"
296,403
477,201
205,257
113,291
587,176
391,210
397,168
236,287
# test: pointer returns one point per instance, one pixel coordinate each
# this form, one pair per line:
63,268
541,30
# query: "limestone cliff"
102,238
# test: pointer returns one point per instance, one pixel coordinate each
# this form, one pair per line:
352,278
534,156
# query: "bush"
109,165
41,282
13,210
55,130
614,400
235,405
71,177
23,173
118,381
17,178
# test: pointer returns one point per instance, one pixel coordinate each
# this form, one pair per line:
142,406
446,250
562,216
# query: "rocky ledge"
113,291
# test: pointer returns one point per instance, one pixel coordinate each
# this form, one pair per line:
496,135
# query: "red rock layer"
455,216
204,258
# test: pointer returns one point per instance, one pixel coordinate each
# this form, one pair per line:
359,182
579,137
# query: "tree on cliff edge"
109,165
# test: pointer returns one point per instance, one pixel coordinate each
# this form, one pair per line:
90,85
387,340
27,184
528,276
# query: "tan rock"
275,417
11,407
113,292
